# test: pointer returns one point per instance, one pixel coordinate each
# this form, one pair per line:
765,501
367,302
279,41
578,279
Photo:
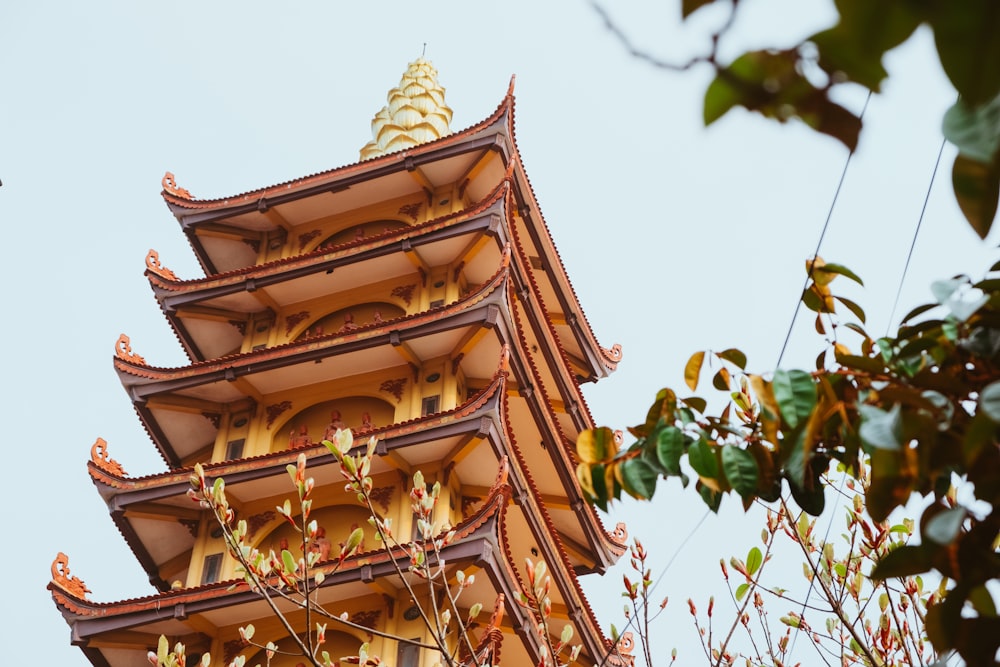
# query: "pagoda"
415,297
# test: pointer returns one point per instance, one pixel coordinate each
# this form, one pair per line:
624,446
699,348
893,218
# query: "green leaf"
734,356
975,131
853,49
795,394
809,496
977,189
692,369
712,498
639,478
853,307
904,561
288,561
945,526
741,590
919,310
754,560
967,45
596,445
669,447
741,470
989,401
839,269
944,289
881,429
353,541
702,459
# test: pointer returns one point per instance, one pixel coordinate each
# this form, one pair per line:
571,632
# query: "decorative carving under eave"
456,362
99,455
620,533
191,525
254,244
232,648
258,521
458,271
241,326
170,187
382,496
213,417
153,265
469,505
615,353
366,619
307,237
274,411
61,577
123,350
621,655
394,387
411,210
404,292
292,320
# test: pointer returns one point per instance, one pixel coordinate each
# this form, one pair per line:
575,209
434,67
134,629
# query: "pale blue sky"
675,238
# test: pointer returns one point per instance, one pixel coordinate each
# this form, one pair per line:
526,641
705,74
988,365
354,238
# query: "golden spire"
415,113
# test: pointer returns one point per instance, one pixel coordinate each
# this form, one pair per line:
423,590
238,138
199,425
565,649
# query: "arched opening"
335,522
361,231
316,423
347,319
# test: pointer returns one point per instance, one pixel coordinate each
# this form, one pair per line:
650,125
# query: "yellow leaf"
693,369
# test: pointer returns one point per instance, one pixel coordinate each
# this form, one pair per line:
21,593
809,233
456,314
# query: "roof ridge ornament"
61,577
123,350
153,266
99,455
170,187
415,113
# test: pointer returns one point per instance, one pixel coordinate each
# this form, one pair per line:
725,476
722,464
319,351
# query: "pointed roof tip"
510,86
415,112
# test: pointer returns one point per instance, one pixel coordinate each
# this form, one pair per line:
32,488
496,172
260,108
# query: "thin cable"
812,580
913,243
656,582
819,243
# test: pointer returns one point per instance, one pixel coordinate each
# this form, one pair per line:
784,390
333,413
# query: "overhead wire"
913,242
656,582
892,314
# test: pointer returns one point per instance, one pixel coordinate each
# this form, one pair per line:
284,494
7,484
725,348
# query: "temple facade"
415,297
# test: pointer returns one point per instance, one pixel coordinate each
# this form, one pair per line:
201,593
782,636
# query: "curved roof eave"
190,211
133,370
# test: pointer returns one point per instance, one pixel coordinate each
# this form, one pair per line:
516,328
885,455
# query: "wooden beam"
160,512
462,449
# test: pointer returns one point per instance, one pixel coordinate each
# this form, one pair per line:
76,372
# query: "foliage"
801,81
849,620
921,407
296,579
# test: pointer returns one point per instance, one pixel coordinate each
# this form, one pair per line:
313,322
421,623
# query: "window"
408,655
430,405
234,449
211,570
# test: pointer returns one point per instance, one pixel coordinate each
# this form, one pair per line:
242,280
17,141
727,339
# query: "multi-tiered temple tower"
415,296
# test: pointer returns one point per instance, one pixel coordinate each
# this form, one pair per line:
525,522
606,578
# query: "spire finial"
424,52
415,114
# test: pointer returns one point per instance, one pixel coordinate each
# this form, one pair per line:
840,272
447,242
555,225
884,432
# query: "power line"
913,243
656,582
819,243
